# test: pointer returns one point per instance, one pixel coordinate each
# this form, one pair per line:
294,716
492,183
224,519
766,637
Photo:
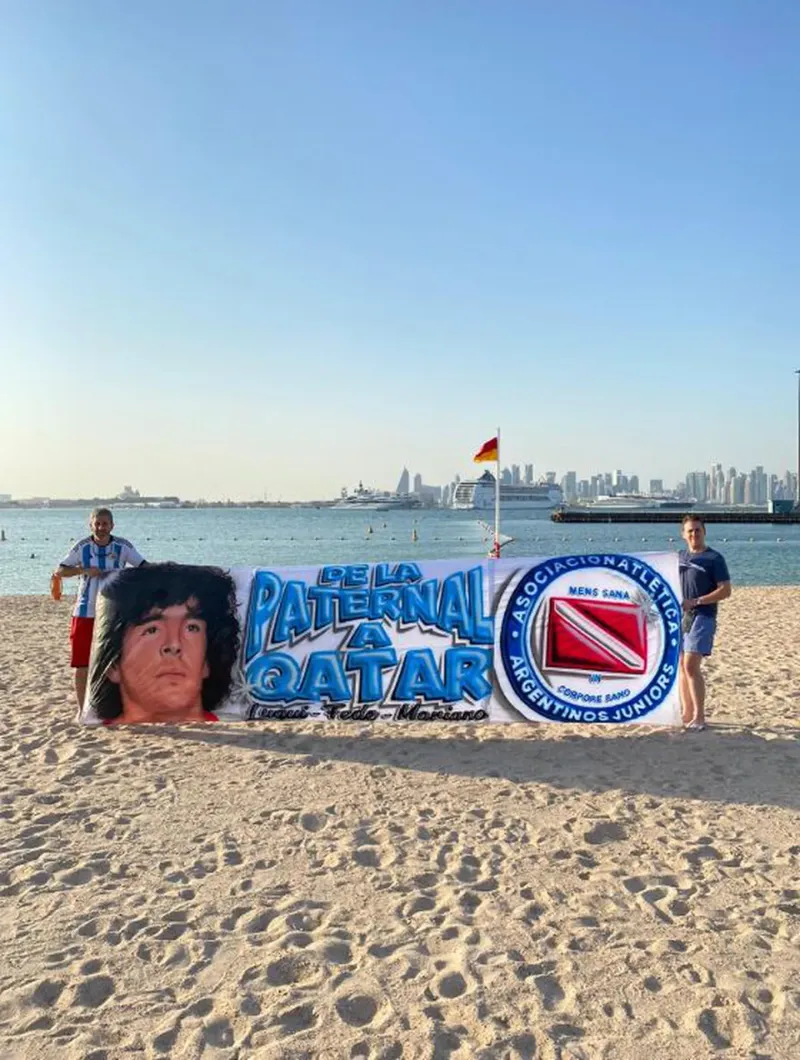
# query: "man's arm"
722,592
65,571
132,557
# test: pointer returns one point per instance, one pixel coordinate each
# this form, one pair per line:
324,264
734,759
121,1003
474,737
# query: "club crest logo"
592,639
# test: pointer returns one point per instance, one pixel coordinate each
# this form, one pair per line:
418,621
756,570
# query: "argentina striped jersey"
118,553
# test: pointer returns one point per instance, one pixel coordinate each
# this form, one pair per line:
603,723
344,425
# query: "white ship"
634,502
478,495
370,500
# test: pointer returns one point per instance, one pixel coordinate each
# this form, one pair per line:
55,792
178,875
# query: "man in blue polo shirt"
704,582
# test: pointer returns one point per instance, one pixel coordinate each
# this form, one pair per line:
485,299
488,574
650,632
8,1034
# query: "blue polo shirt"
701,573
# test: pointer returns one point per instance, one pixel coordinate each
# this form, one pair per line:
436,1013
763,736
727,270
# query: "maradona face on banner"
592,639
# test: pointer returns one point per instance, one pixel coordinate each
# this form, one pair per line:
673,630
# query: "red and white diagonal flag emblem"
595,636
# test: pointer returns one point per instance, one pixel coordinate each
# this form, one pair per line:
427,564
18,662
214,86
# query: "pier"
656,515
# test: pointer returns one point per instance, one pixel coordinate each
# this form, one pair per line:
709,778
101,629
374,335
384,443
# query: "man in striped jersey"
93,559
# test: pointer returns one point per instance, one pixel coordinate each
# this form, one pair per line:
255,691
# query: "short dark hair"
693,518
134,593
102,511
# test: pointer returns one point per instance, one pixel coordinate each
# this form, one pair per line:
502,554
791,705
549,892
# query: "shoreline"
744,588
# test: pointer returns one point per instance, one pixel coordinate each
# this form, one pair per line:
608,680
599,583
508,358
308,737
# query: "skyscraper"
716,484
529,474
404,483
762,485
418,483
697,486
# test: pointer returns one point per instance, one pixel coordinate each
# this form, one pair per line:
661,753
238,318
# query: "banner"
587,639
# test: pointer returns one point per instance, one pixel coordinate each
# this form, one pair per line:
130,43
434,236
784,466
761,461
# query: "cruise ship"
370,500
478,495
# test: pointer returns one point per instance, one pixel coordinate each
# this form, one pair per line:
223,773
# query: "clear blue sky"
284,246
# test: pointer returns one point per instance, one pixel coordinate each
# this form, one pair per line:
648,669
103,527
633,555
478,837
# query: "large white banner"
587,639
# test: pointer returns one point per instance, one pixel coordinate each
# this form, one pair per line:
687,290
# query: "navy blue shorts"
700,637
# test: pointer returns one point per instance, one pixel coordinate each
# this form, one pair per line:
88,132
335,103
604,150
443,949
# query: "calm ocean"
37,539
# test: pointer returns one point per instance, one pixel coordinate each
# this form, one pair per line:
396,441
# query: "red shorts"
80,639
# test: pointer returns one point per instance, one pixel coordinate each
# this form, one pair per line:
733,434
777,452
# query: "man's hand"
74,572
689,605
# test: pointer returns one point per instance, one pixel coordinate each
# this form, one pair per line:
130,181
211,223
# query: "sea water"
36,539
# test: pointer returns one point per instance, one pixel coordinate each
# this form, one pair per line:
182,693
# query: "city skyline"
718,484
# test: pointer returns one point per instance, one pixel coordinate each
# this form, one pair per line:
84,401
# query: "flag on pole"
488,451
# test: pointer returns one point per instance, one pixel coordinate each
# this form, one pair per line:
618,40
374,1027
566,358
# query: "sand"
237,891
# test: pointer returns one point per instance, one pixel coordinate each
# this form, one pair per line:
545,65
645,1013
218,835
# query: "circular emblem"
592,639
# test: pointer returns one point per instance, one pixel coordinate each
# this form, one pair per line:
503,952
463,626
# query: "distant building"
656,487
569,487
418,483
716,484
430,494
529,474
404,485
697,486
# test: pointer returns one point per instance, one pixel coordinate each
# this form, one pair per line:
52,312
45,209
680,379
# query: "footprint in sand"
338,952
357,1010
550,990
297,1019
452,985
218,1034
708,1023
313,822
292,970
605,832
47,992
306,919
94,991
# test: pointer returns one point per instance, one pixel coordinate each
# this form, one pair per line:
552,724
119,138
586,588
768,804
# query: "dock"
656,515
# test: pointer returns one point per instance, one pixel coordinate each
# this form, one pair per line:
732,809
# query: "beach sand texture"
237,891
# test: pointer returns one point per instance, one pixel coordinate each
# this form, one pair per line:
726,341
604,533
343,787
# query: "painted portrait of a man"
165,645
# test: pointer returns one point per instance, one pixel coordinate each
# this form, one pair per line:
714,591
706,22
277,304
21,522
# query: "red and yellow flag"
488,451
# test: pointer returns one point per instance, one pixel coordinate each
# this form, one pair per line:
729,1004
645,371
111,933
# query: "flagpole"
497,502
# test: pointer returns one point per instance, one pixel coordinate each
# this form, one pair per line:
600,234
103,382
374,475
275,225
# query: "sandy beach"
256,891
